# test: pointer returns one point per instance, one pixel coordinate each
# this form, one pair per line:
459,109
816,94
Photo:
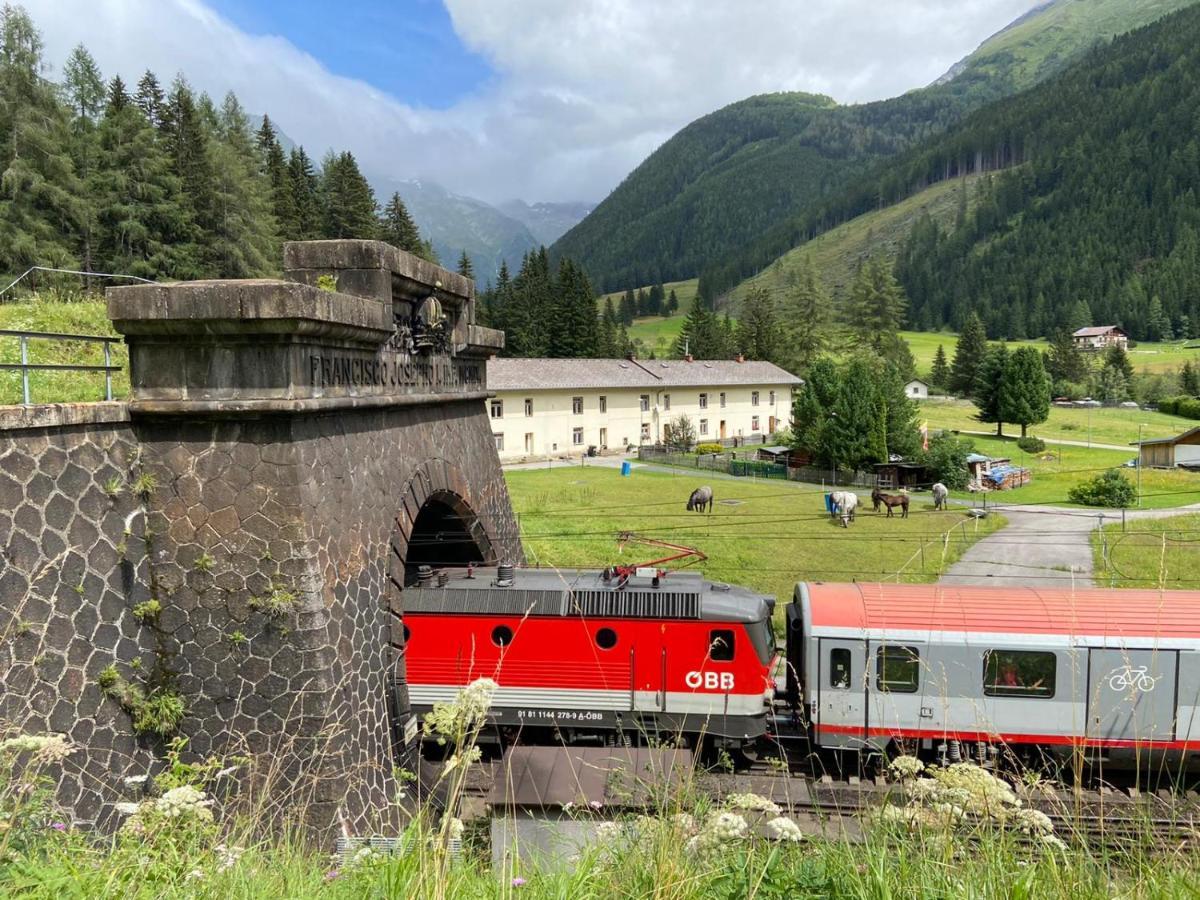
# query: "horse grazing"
891,501
940,495
843,504
701,500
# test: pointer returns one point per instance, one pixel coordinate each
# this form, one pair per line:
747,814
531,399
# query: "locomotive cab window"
839,668
897,669
606,639
502,635
1019,673
720,645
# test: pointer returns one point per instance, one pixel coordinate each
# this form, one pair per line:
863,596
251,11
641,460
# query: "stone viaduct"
238,534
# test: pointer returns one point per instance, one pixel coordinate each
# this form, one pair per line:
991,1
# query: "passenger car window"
897,669
1019,673
839,668
720,645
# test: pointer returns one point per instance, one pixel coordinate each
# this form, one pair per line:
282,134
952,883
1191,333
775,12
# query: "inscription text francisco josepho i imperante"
394,370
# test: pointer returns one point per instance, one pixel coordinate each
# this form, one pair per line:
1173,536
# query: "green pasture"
765,534
1061,467
1150,553
1101,426
73,317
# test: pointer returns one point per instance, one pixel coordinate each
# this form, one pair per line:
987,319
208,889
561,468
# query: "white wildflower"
684,821
609,832
195,875
455,829
185,802
363,856
46,748
904,767
727,827
1052,840
784,829
1032,821
227,857
467,711
751,803
127,809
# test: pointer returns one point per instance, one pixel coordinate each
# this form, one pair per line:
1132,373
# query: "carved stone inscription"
395,372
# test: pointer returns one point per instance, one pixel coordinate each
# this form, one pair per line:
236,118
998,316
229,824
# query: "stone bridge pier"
294,449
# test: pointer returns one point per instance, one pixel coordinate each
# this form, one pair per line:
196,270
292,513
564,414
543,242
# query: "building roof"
1098,330
939,609
521,374
918,381
1169,440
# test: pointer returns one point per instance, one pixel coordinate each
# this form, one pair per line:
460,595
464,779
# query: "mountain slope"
729,179
547,222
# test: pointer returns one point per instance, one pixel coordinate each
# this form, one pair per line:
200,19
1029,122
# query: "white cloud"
585,89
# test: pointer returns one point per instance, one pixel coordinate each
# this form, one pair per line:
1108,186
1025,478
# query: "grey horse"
844,504
940,494
701,500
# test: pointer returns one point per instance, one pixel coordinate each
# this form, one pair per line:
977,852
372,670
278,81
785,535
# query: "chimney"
740,358
688,358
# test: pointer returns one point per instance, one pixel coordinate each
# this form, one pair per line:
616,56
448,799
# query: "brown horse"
891,501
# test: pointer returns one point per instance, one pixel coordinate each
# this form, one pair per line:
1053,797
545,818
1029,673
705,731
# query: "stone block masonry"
272,507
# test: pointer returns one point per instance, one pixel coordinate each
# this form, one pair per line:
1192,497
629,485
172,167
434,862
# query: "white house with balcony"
561,407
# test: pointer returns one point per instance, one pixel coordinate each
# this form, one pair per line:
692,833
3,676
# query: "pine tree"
306,195
274,167
574,331
347,199
1024,389
697,337
186,139
1189,379
627,309
150,98
988,389
241,242
972,346
759,333
1115,357
606,334
398,228
84,87
876,307
465,268
939,376
807,317
672,306
852,436
39,190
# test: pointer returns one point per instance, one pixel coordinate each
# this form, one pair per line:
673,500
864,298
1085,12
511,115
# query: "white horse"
844,504
940,495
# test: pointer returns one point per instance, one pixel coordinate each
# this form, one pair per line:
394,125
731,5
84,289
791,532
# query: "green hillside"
742,174
837,255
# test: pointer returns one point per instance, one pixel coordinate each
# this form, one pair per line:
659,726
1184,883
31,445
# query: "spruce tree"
939,376
697,336
972,346
851,436
806,313
672,305
186,139
1189,379
607,331
150,98
465,268
1115,357
1024,389
348,203
759,333
274,167
85,91
306,195
39,190
397,228
876,307
988,389
627,309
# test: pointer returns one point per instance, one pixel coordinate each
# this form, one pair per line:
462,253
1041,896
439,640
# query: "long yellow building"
560,407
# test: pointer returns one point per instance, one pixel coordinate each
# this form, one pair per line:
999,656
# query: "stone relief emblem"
422,330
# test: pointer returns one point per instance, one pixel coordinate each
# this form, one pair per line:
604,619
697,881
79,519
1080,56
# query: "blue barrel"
626,468
829,503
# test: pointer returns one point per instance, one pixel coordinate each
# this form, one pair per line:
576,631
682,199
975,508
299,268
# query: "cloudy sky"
537,99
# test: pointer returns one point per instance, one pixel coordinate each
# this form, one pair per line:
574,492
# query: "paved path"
1042,546
1129,448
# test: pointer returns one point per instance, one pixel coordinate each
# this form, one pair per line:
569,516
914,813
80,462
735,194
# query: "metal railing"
25,366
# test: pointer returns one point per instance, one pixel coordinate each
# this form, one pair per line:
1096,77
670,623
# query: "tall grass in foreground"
956,832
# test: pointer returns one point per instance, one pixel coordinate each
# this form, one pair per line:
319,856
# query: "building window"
603,404
897,669
497,409
645,403
754,423
645,432
839,668
666,402
577,406
704,401
1019,673
704,426
529,442
577,436
722,399
754,398
499,441
771,398
720,645
603,438
529,406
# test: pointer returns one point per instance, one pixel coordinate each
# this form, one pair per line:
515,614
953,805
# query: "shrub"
1031,444
680,434
147,611
1111,489
1189,408
947,459
709,448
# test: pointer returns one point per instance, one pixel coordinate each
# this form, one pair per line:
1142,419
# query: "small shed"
777,454
917,390
901,474
995,473
1181,451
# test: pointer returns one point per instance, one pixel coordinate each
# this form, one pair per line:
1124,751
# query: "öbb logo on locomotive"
945,671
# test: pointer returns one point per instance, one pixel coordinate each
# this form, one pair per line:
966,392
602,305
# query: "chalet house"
1100,337
1181,451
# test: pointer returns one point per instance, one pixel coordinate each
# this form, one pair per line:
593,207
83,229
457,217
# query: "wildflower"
362,857
468,710
58,826
606,832
455,829
46,748
1052,840
784,829
751,803
1032,821
595,804
332,874
127,809
227,857
683,821
518,882
195,875
727,827
185,802
904,767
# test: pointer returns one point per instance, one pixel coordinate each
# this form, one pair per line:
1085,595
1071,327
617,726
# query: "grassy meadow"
1150,553
764,534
